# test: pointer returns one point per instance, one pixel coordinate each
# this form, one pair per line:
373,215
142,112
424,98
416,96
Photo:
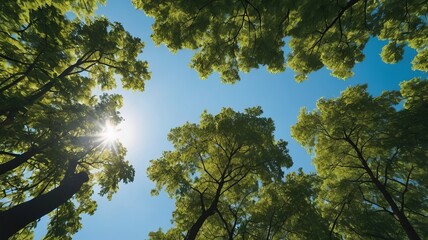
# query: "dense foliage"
226,173
372,157
226,176
233,36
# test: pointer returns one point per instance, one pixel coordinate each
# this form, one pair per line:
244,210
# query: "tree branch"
337,18
406,185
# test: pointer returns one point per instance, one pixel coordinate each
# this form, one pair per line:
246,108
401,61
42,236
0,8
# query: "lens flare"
110,133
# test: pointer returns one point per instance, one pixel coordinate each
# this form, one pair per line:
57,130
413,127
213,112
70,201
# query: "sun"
110,133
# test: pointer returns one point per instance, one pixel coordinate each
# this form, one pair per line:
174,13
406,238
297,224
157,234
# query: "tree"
51,151
216,169
371,155
233,36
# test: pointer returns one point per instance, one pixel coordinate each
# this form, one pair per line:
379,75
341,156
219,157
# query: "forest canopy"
233,36
372,157
65,69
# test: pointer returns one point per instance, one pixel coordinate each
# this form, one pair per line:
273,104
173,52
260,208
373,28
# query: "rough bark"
16,218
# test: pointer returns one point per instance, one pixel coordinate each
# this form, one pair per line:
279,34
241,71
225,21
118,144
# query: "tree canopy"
371,154
227,172
216,169
51,151
233,36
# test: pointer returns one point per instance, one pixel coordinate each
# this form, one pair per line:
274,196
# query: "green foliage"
49,65
392,53
232,36
371,155
24,234
287,211
217,167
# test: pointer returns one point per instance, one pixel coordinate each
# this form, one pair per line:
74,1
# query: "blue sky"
175,94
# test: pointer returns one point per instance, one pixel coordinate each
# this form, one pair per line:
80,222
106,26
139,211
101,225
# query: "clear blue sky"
175,94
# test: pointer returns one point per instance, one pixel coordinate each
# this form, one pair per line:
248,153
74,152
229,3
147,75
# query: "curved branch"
337,18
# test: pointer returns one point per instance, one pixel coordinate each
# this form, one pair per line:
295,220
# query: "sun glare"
110,133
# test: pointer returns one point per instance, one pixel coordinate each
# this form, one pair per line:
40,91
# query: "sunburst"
109,135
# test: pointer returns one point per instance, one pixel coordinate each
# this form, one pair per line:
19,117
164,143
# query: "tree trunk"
193,232
16,218
400,216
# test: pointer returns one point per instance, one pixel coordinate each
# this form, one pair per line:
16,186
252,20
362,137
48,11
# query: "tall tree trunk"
16,218
399,215
193,232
